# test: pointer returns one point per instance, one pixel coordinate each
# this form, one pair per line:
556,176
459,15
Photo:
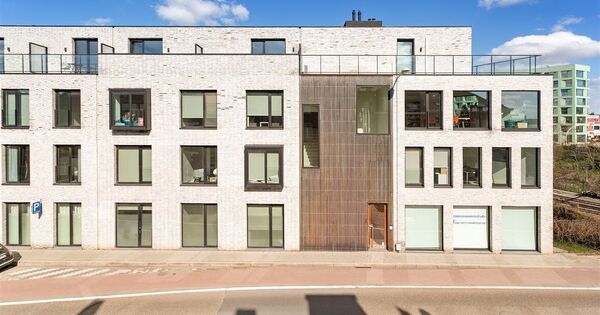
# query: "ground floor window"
423,227
199,225
134,225
519,228
265,226
18,225
471,227
68,224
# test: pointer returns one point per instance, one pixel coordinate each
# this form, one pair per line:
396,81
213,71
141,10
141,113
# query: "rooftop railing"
48,63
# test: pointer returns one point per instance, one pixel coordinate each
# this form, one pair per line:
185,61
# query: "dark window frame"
72,206
479,184
270,94
441,232
489,229
318,135
264,149
264,45
203,147
72,148
450,173
143,41
427,102
70,111
147,112
44,58
539,113
413,63
88,57
389,113
537,184
489,115
181,93
140,211
422,168
102,48
21,206
537,230
21,147
18,123
140,148
204,207
270,206
508,168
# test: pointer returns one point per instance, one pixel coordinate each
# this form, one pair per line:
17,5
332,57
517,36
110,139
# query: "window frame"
140,148
43,58
21,205
536,229
147,113
389,113
539,113
19,157
204,207
56,163
264,42
450,173
537,184
144,40
441,231
140,210
263,149
318,106
508,168
422,168
488,228
270,95
480,181
427,102
88,60
18,108
72,206
70,112
181,93
270,206
489,114
203,147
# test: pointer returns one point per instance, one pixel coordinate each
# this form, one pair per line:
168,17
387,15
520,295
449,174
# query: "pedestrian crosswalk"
68,272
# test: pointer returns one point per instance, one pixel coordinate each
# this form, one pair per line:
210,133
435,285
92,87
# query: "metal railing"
49,63
419,64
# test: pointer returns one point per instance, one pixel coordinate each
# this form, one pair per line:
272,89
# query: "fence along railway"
581,202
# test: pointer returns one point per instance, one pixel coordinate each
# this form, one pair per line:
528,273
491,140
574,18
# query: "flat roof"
240,26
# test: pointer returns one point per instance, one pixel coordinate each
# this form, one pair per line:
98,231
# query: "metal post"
452,64
529,59
61,64
358,60
511,66
433,64
472,66
22,63
377,64
320,64
339,64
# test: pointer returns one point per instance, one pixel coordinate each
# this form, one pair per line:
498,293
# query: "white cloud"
207,12
594,95
562,24
488,4
555,48
98,21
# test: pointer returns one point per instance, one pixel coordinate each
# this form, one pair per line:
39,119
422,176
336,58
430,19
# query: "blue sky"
564,31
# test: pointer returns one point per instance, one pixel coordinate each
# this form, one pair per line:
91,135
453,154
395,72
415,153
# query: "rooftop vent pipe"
359,15
353,15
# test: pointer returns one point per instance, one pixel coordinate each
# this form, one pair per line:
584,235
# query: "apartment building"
360,137
571,102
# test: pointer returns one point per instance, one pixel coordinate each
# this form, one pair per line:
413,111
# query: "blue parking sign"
36,207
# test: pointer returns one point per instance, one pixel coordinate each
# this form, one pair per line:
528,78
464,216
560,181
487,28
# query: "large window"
199,225
530,158
130,109
145,46
38,58
268,46
68,224
68,164
18,225
265,226
423,227
423,110
471,227
414,167
520,110
471,109
134,165
198,109
16,170
67,111
519,228
264,168
134,225
86,55
579,73
372,110
310,136
501,167
264,109
15,108
198,165
442,167
405,59
471,167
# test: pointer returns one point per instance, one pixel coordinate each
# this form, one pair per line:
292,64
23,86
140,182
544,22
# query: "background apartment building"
298,138
571,102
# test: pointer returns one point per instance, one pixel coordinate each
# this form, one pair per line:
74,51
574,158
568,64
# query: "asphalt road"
336,302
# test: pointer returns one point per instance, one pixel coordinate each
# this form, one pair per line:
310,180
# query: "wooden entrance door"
377,219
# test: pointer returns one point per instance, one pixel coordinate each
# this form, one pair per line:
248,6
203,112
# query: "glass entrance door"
86,55
377,225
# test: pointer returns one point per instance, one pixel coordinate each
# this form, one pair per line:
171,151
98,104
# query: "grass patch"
575,248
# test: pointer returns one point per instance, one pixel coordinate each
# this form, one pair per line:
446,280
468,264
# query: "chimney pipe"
359,15
353,15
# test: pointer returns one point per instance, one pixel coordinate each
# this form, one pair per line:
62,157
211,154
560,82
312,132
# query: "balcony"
48,64
419,64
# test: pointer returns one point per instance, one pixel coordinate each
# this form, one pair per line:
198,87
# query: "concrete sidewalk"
215,259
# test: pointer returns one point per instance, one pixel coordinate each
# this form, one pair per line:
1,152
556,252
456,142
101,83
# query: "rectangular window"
423,110
579,129
471,109
530,167
579,110
520,110
198,109
134,164
130,109
581,83
569,120
581,101
68,224
471,167
268,46
566,74
134,225
67,111
423,227
405,59
555,84
581,138
264,109
145,46
471,227
199,225
565,92
15,108
519,228
372,110
198,165
579,73
442,167
414,167
579,92
18,225
16,170
265,226
568,83
310,136
68,164
581,119
568,101
38,58
564,110
264,168
501,167
86,55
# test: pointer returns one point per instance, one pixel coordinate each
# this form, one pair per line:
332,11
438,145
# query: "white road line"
48,275
35,273
74,273
307,287
116,272
23,271
97,272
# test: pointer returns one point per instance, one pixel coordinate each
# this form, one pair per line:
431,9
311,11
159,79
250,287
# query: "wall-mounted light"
168,49
65,49
421,49
8,49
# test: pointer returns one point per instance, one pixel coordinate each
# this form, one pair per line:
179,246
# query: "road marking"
116,272
306,287
97,272
74,273
39,272
46,275
23,271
